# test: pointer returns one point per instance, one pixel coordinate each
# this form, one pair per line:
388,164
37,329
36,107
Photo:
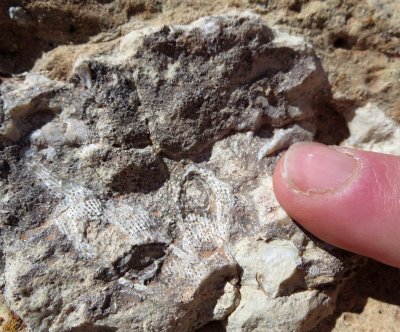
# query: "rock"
278,275
9,321
357,43
256,312
180,83
227,303
269,266
141,187
371,129
26,106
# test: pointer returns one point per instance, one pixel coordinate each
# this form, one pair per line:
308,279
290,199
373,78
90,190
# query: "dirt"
369,302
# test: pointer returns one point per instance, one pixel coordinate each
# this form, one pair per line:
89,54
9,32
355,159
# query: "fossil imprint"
175,245
202,244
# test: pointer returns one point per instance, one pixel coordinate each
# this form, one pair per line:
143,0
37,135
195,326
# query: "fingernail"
315,168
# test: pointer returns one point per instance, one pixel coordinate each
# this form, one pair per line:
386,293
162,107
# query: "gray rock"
141,190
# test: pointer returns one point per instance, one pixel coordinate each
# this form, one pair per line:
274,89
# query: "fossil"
79,208
142,187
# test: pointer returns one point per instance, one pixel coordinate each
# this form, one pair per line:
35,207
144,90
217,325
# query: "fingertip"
348,207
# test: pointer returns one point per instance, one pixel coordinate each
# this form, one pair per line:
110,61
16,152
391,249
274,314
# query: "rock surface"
370,129
138,193
134,165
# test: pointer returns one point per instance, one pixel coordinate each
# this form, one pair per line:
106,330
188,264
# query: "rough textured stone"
370,129
357,42
138,193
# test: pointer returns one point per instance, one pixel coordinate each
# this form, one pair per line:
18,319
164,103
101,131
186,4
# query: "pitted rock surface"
137,196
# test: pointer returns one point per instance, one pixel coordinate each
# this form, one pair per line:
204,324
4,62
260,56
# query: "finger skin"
363,217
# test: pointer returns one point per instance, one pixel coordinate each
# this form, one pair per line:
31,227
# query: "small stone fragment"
269,266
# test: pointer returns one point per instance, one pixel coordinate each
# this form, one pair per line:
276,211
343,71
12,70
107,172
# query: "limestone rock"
371,129
137,195
258,313
269,266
